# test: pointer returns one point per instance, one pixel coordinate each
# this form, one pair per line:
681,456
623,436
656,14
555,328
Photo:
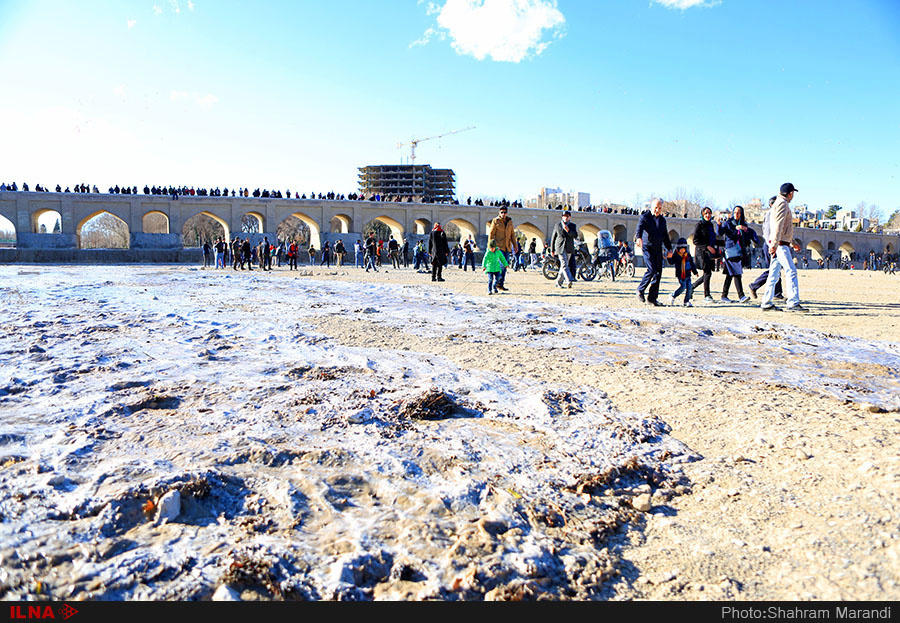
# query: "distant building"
846,220
554,197
754,211
418,181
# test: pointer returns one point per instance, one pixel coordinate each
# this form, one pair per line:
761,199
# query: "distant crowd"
722,242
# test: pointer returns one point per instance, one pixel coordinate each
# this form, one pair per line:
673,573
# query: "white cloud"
191,5
426,37
175,6
157,9
686,4
207,100
201,100
503,30
119,91
131,23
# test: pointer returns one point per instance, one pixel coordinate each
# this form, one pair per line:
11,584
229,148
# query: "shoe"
768,307
433,279
744,299
655,303
502,288
725,299
440,279
709,300
688,304
490,293
569,285
778,297
671,301
796,308
641,297
753,292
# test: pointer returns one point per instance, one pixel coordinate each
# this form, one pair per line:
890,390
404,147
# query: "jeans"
685,286
502,280
492,282
359,259
565,275
370,262
783,260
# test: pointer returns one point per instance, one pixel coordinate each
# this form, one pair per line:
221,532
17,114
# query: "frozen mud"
173,434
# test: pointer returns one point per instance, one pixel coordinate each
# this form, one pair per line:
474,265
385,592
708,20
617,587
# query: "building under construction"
417,181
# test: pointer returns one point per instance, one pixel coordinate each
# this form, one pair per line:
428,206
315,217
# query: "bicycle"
584,268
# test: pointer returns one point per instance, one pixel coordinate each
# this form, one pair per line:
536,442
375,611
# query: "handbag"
733,253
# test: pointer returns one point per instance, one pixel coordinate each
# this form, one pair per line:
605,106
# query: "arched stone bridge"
327,220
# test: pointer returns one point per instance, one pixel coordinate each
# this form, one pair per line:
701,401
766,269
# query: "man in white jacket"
779,240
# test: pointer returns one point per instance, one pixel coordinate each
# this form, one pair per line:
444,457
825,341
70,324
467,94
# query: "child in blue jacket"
684,268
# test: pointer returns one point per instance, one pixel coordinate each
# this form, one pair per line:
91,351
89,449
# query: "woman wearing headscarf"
439,250
738,237
705,252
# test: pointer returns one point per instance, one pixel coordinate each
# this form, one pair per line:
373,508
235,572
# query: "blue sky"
618,98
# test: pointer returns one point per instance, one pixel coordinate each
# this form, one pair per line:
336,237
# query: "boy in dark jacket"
684,267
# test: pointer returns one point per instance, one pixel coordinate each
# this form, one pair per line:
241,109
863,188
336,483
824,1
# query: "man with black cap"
779,241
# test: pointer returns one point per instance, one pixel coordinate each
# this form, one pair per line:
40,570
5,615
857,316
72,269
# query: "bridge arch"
673,236
155,222
466,228
620,233
311,224
423,226
846,249
589,233
831,246
197,230
249,219
533,231
48,219
7,232
394,225
341,224
102,230
817,251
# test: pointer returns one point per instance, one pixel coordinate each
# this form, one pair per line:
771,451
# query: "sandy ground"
792,493
796,496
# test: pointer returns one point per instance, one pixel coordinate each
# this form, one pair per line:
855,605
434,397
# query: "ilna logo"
41,612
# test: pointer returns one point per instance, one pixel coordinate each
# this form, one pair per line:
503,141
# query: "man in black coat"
705,251
439,250
652,234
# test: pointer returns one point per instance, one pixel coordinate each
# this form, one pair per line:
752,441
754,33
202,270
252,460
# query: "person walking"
439,250
766,259
781,232
503,232
207,254
738,236
652,235
684,266
293,252
493,263
358,253
705,252
371,250
325,258
468,255
340,251
562,245
394,253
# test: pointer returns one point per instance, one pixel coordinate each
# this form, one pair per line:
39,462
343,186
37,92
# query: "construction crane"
412,144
